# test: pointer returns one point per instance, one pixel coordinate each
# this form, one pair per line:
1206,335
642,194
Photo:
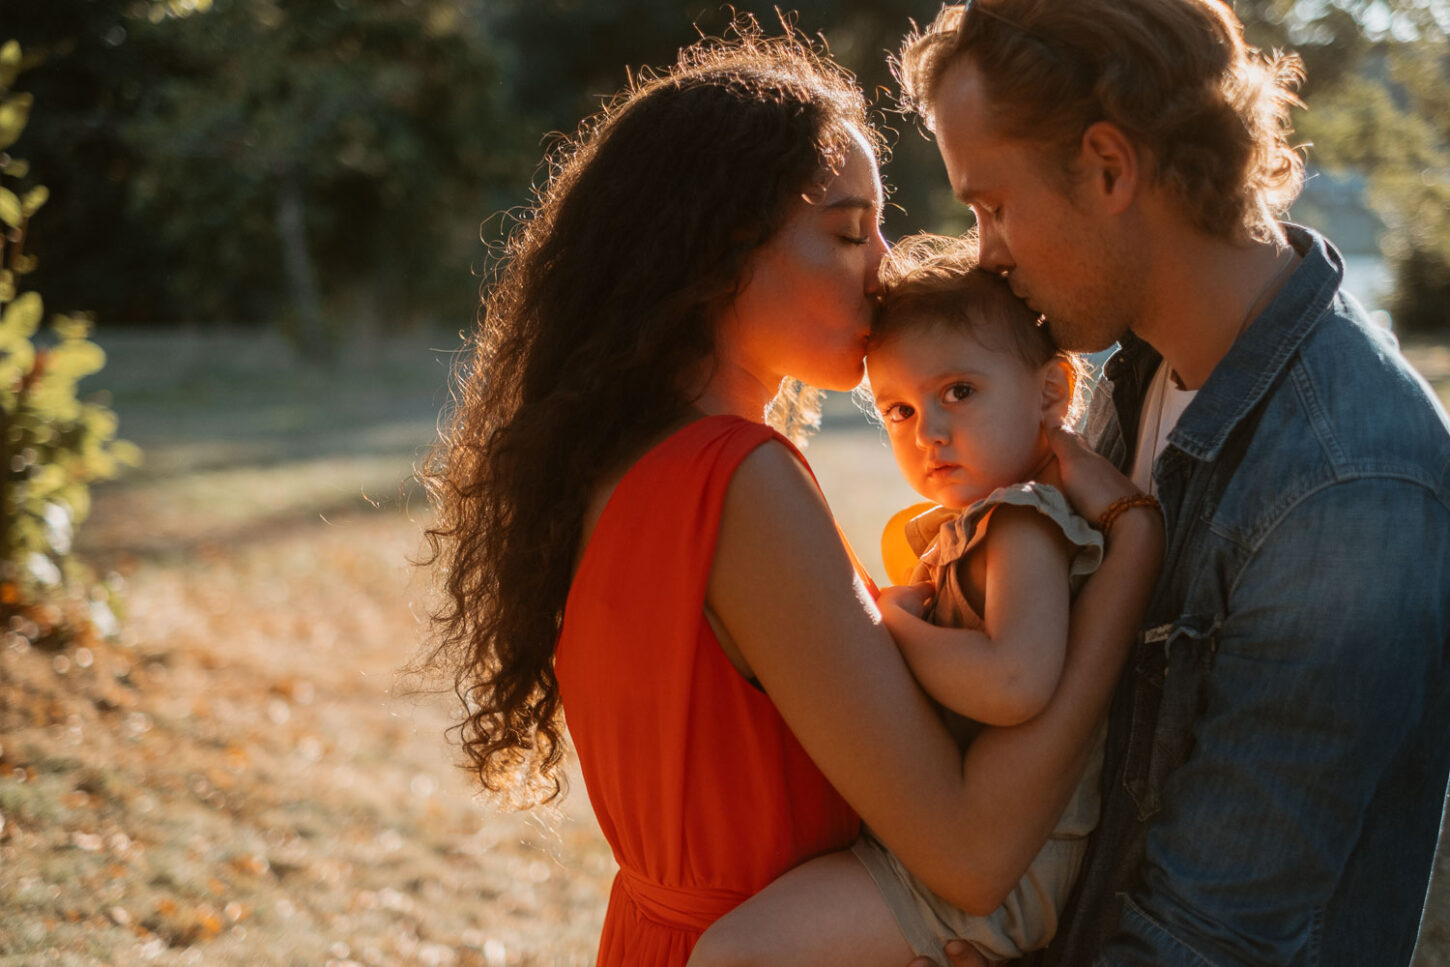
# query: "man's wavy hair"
602,314
938,281
1174,75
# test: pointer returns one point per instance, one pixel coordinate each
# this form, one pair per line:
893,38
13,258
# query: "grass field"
240,779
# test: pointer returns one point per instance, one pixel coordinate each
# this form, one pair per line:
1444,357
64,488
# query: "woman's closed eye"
858,230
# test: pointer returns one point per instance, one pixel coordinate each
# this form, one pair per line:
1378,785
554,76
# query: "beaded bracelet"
1117,507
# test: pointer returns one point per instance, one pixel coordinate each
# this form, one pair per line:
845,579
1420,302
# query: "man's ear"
1059,389
1113,164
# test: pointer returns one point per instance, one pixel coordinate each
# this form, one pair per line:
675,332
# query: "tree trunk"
5,516
292,229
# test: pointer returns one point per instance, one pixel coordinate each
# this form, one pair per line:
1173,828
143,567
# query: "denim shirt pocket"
1174,662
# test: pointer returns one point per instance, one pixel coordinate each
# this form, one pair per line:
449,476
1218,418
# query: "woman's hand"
959,952
911,598
1088,480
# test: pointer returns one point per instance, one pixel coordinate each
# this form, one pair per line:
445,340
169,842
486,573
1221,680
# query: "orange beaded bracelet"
1117,507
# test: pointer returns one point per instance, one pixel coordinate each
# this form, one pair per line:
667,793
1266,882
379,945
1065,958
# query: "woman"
621,533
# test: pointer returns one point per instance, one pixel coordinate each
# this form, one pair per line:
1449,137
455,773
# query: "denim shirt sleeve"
1329,653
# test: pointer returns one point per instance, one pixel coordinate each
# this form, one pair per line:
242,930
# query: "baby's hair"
937,280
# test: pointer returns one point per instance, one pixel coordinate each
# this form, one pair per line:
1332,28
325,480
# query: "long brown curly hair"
607,296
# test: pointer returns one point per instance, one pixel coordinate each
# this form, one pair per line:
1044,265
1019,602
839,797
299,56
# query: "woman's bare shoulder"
774,507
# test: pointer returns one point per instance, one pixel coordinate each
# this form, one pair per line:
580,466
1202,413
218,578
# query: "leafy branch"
53,443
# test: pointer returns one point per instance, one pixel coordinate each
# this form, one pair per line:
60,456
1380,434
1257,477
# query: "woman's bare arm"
785,592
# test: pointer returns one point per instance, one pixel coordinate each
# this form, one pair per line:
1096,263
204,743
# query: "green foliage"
1381,109
53,444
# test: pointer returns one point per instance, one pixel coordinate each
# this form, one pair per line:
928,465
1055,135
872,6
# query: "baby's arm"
1004,673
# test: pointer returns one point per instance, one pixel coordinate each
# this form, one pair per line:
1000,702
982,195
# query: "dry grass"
236,782
238,779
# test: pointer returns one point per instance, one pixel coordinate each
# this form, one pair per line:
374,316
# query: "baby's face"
963,418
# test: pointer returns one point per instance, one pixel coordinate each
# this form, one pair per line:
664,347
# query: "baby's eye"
957,392
897,412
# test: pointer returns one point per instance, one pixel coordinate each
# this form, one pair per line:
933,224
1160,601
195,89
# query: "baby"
966,383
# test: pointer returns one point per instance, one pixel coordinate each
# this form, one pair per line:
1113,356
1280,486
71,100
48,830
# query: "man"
1279,744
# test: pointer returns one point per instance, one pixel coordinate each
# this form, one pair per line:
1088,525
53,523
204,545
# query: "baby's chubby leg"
825,912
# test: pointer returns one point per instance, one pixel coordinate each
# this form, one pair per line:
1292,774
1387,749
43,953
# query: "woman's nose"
875,252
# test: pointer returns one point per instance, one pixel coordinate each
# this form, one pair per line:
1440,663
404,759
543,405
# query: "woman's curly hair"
603,308
1175,75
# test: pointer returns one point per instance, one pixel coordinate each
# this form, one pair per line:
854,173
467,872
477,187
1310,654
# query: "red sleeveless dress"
702,792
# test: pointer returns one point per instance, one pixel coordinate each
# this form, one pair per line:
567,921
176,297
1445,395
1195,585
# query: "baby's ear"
1059,384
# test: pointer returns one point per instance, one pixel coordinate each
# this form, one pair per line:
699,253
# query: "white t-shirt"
1162,408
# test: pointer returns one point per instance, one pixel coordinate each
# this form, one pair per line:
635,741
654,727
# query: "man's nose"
992,254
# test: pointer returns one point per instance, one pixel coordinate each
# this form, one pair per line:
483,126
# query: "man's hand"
911,598
959,954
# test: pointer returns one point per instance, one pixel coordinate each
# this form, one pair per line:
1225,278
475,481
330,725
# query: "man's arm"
1323,666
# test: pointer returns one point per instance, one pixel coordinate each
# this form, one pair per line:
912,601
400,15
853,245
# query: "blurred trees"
322,162
329,164
328,158
1400,134
1378,73
88,72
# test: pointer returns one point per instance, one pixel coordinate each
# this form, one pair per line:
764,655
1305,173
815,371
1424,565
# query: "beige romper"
1028,918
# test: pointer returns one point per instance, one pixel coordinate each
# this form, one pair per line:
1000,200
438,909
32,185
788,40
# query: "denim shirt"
1279,743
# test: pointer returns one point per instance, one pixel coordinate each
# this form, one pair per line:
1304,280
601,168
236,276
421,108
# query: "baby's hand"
1090,482
911,598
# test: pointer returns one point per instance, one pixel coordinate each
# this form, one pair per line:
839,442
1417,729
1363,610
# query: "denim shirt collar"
1257,358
